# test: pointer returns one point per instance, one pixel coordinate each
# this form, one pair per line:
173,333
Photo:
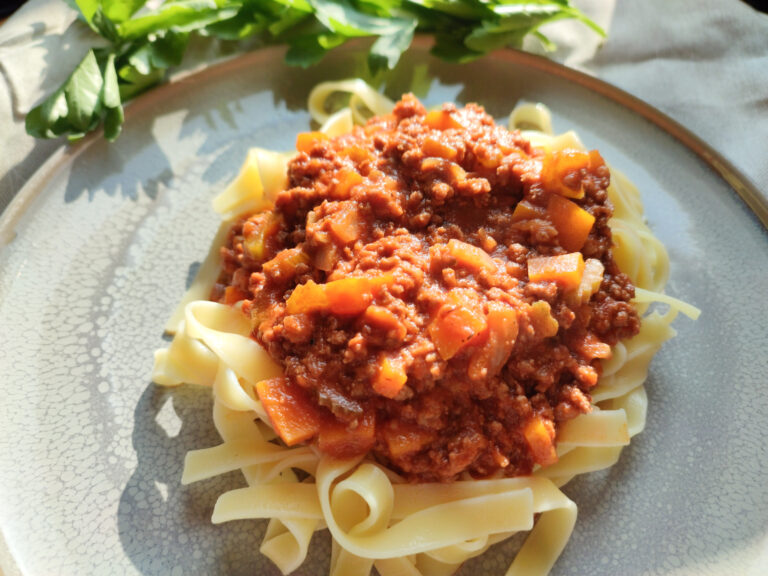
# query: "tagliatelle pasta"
375,517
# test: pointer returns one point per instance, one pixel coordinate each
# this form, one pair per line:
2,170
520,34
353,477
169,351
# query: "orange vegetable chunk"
442,120
305,141
541,441
349,296
502,335
558,166
565,269
293,415
346,179
527,211
435,148
458,323
572,222
471,257
345,441
390,376
402,438
346,225
305,298
233,295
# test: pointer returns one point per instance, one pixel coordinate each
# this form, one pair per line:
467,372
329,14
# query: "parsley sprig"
142,43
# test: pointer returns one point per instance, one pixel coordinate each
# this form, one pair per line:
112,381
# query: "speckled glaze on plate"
98,248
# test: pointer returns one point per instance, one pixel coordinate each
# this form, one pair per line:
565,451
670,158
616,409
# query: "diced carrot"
233,294
435,148
565,269
390,376
356,153
488,360
527,211
572,222
284,265
403,439
305,298
541,441
384,319
345,180
293,415
595,160
459,323
442,120
305,141
345,441
349,296
345,297
558,166
472,257
346,225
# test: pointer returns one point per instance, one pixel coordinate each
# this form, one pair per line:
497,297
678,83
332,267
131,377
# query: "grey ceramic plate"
102,241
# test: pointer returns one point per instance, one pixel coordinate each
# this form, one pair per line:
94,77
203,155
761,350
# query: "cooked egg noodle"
374,519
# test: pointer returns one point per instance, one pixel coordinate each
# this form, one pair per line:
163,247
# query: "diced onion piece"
390,376
292,413
571,221
488,360
590,280
284,265
566,269
541,441
544,324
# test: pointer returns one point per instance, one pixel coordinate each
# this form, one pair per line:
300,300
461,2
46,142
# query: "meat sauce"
439,292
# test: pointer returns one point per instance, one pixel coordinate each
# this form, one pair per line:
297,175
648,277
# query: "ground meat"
439,340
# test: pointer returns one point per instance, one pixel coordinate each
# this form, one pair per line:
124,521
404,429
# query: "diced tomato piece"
572,222
540,436
292,413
